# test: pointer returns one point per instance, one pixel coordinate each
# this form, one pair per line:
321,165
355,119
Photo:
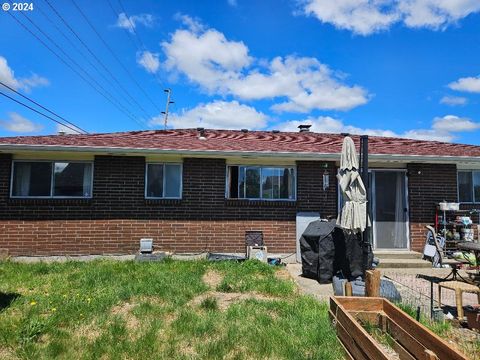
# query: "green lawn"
128,310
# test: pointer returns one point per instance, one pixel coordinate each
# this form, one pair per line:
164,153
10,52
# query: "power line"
113,53
120,107
105,68
76,64
132,26
39,112
45,15
41,106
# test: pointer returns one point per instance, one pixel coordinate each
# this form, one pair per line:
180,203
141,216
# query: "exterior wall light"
326,179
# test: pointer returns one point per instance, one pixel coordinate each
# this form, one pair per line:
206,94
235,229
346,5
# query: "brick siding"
428,184
118,215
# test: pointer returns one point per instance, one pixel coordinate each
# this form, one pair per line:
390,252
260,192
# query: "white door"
389,209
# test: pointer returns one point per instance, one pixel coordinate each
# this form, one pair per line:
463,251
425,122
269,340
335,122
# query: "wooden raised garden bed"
407,338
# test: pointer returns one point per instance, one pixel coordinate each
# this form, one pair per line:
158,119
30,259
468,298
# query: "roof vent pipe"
61,133
304,127
201,133
244,130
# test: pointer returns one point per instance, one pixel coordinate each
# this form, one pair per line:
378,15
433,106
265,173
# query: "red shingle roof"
238,141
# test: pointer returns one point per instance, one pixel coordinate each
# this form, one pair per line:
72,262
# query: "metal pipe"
367,248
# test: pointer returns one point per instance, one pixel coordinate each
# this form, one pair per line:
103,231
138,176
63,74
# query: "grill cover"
318,251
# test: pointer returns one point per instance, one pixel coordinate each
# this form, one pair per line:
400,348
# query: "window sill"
260,203
162,201
49,201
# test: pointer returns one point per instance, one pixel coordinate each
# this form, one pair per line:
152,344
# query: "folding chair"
441,257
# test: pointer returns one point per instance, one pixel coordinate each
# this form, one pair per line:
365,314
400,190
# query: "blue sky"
396,68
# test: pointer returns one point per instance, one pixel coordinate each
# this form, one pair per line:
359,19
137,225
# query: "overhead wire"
113,53
142,46
93,83
129,97
41,106
40,113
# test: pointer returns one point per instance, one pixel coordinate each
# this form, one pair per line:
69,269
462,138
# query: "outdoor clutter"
408,339
360,311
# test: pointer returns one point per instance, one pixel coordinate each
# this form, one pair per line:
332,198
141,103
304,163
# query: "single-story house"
197,190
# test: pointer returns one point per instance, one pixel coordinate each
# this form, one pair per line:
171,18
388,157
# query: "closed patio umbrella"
353,216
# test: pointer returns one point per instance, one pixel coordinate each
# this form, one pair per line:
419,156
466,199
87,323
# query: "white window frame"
474,201
163,180
52,179
227,188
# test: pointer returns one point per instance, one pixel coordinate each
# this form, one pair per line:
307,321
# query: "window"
261,182
52,179
469,186
164,181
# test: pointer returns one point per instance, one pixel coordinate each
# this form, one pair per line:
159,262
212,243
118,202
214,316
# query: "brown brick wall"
77,237
428,184
311,196
118,214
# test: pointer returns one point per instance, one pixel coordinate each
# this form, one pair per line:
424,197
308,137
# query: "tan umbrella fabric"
353,216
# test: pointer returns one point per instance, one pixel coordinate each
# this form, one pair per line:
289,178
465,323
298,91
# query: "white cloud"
149,61
206,57
193,24
453,100
443,128
7,76
467,84
436,14
360,16
365,17
130,23
452,123
68,130
19,124
327,124
216,115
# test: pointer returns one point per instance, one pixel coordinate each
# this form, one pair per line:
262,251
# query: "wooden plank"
359,303
403,354
347,341
348,289
333,304
360,336
348,356
405,339
430,355
372,283
371,317
423,335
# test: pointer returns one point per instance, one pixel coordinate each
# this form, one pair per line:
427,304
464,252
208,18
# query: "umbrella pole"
367,251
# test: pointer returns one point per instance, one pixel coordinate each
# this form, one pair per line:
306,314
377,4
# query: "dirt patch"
224,300
283,274
122,309
212,278
87,331
125,311
7,354
464,340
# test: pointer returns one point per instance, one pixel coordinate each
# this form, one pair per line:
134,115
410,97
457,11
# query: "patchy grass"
173,309
466,341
